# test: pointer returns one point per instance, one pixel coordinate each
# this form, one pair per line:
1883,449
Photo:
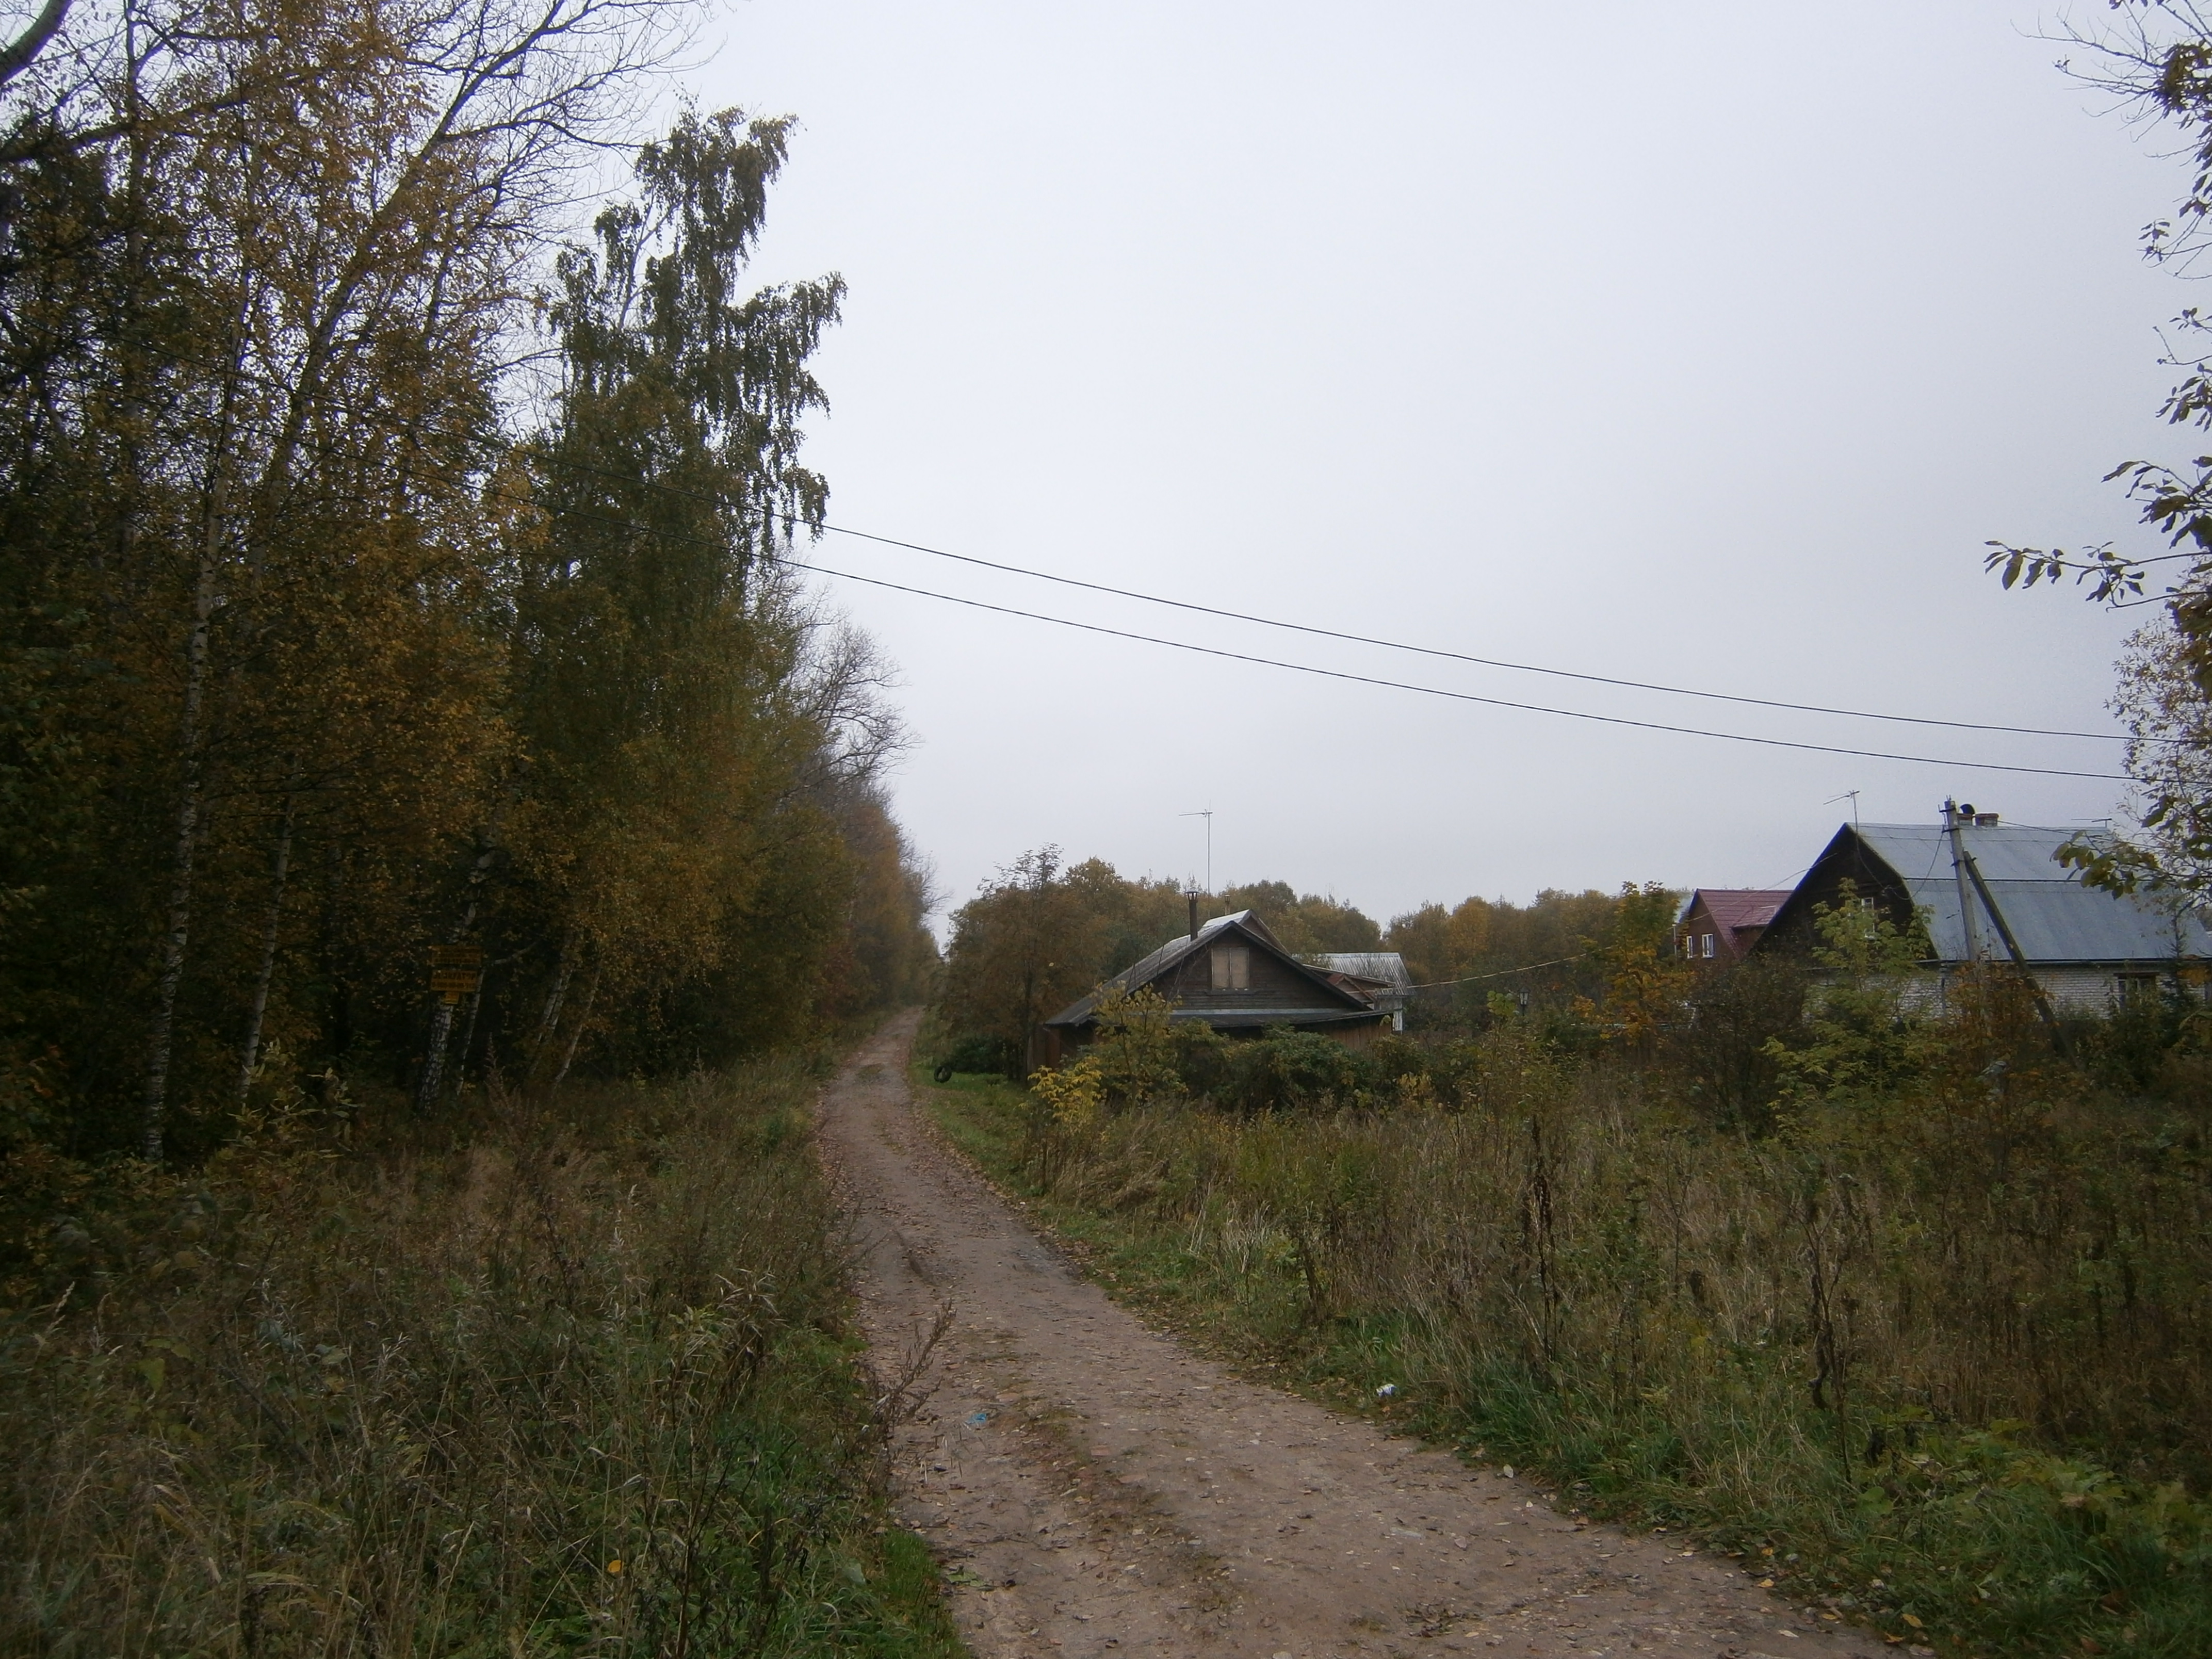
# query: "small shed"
1721,923
1233,974
1380,974
1998,889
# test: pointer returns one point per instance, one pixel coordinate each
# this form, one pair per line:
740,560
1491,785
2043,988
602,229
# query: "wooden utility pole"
1955,823
1970,873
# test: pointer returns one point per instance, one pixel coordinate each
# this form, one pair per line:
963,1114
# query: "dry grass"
551,1381
1948,1354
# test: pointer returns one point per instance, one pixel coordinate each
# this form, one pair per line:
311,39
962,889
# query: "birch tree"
332,631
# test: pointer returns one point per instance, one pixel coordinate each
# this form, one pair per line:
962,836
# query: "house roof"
1385,967
2055,918
1740,907
1239,1018
1247,924
1379,974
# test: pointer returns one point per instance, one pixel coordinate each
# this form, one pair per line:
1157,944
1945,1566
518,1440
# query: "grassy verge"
537,1382
1673,1332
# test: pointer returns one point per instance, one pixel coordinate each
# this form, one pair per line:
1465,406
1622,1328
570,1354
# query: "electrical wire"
1460,656
1437,691
1294,667
1245,657
794,522
1503,972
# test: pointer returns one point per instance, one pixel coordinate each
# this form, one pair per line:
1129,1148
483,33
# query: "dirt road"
1098,1490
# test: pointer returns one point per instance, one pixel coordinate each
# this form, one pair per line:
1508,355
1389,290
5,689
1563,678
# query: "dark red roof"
1741,907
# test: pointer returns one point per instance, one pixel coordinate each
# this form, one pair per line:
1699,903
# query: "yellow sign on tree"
456,971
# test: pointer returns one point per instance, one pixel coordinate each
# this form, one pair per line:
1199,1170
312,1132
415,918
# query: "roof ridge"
1157,961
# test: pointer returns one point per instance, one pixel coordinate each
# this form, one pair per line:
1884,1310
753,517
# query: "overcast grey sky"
1702,343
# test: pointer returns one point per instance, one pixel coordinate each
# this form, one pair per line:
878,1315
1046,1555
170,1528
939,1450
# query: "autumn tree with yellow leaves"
383,575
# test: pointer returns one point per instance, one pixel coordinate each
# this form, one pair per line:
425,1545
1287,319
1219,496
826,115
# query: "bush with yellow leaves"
1072,1095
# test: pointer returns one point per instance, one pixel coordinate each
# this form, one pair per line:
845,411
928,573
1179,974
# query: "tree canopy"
2155,59
1043,932
390,573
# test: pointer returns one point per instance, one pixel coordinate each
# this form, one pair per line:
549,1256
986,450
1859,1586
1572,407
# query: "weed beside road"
1943,1375
546,1381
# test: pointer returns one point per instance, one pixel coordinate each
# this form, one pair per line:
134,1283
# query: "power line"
1294,667
1239,656
1503,972
1457,656
1437,691
796,520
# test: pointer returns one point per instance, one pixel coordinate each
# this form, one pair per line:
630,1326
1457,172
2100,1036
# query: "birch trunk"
249,1050
191,734
468,1037
176,932
427,1087
575,1036
432,1083
549,1021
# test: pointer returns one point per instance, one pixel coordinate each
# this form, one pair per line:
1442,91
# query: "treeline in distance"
1043,932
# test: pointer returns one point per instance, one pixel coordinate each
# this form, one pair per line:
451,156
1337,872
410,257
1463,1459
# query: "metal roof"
1739,907
1388,966
2055,918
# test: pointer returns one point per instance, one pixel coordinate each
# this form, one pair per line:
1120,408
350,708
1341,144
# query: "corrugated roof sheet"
1388,966
2055,918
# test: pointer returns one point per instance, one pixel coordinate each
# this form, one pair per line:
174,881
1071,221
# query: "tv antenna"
1208,815
1851,795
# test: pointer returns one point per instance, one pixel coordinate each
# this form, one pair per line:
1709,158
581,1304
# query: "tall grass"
552,1381
1941,1365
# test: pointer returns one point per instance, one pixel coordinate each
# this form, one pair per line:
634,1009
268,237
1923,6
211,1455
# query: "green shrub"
1292,1069
978,1055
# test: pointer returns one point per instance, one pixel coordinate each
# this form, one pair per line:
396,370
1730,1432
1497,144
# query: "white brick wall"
2086,991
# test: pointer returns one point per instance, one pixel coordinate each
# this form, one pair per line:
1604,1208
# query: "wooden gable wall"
1273,982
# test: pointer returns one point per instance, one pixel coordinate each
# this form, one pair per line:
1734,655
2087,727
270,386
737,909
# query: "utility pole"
1208,815
1963,862
1954,822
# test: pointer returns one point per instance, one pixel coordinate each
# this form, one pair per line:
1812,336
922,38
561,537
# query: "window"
1705,944
2137,990
1232,967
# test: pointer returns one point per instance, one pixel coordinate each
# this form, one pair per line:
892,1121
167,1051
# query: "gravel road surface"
1094,1488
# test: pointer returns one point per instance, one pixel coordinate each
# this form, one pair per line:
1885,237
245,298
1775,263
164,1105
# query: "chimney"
1986,820
1193,897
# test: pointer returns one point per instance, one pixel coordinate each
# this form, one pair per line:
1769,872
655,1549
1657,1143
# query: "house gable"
2081,945
1232,974
1722,924
1847,857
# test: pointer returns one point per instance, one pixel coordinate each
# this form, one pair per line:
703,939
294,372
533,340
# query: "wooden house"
1234,975
1721,923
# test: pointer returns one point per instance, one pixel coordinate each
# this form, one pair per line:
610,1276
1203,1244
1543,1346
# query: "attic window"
1232,967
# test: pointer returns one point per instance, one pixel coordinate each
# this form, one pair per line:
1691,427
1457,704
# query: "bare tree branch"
33,40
